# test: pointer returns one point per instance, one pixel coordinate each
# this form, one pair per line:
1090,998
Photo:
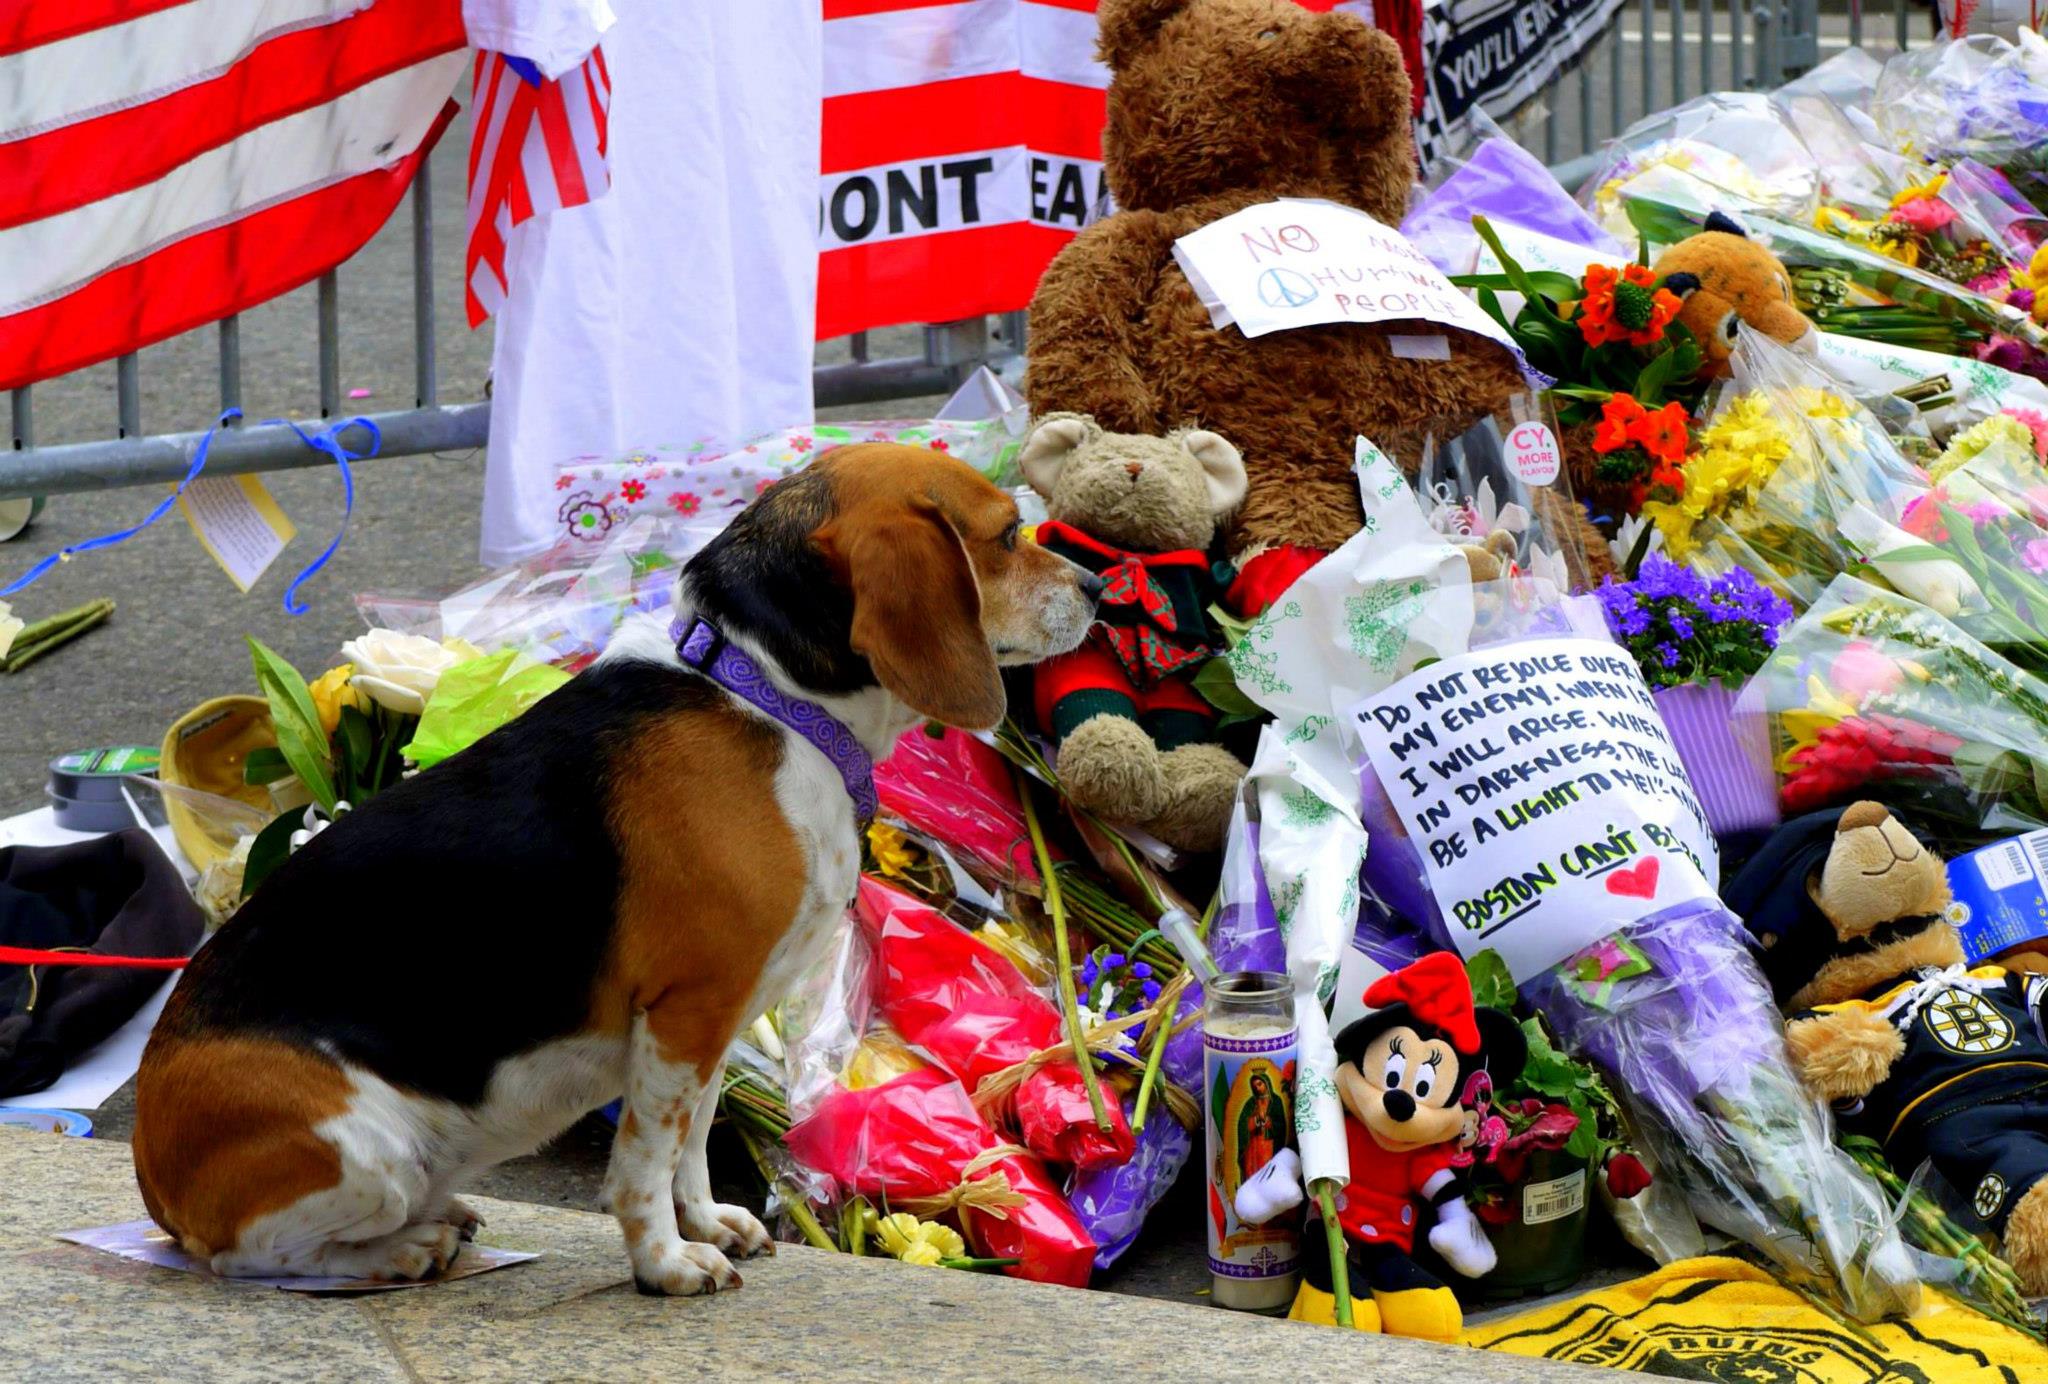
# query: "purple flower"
1151,989
1680,624
1667,654
1141,970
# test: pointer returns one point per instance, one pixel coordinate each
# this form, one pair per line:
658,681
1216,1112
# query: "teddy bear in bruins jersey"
1933,1059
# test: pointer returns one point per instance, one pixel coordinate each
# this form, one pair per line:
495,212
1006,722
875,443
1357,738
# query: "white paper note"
1302,261
1544,794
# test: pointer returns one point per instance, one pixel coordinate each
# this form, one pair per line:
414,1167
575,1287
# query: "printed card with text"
1544,794
239,523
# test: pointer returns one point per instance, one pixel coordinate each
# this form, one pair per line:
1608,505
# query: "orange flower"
1662,433
1596,309
1664,306
1617,416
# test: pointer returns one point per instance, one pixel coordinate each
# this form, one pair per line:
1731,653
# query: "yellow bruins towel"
1724,1320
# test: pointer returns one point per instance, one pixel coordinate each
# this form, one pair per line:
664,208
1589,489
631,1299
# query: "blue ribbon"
108,540
327,440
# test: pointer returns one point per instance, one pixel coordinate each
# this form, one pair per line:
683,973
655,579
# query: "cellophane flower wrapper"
1392,596
1674,1008
1784,454
966,1005
1873,695
1732,151
919,1135
1509,187
562,606
961,793
1980,97
1112,1203
872,1117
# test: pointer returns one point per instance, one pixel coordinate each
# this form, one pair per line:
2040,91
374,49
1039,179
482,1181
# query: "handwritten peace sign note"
1300,262
1544,793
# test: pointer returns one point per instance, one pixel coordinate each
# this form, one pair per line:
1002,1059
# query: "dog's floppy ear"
1222,465
1052,445
916,611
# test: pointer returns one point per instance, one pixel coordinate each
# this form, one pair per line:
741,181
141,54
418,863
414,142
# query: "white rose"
400,671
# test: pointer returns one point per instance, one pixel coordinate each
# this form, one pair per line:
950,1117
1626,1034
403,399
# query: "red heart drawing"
1639,881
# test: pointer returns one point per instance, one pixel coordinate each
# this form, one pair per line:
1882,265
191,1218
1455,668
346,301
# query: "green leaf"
265,765
357,736
1492,986
1219,688
1919,552
295,720
269,849
1548,1072
1233,628
1219,1097
1652,379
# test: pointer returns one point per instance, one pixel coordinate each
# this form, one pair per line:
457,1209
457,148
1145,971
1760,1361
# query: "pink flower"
798,442
564,482
2037,424
2034,556
1860,670
684,503
1924,214
938,444
635,491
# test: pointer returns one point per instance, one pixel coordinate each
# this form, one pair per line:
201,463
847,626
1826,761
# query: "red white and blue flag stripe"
169,162
535,146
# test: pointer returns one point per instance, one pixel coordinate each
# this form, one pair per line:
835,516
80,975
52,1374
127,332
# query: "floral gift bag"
707,477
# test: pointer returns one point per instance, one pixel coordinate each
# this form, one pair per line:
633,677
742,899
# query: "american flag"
169,162
536,146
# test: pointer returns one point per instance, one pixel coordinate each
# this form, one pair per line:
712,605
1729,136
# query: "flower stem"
1056,905
1333,1234
46,634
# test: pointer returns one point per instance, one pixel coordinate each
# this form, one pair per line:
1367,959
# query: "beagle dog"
592,900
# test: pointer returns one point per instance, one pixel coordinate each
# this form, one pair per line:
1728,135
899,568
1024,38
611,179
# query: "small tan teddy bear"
1134,735
1933,1059
1729,282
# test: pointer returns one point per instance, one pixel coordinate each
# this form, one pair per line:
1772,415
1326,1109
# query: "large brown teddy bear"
1215,106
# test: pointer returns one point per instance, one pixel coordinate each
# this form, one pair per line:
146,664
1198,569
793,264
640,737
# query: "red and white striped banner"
962,149
169,162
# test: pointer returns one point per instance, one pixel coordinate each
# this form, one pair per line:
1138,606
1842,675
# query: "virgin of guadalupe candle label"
1250,1104
1544,794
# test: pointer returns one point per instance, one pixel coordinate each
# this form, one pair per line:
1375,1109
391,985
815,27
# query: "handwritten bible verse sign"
1300,261
1544,794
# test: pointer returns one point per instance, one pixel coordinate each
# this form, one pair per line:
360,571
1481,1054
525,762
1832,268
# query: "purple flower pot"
1728,761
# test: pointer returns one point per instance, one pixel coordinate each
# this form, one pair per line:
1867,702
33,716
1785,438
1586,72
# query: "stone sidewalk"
68,1312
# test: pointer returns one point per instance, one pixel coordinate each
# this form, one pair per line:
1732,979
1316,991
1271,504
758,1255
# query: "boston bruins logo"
1966,1023
1990,1196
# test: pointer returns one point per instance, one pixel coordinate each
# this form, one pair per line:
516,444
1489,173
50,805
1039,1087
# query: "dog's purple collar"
703,648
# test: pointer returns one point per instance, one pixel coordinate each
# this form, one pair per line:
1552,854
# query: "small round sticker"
1533,452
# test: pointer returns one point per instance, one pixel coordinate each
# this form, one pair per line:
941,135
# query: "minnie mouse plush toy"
1404,1074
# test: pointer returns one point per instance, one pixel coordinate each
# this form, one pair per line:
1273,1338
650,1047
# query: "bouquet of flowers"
1782,459
1980,98
1873,695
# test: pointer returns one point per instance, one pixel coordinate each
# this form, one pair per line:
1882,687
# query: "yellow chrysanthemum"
1738,452
1972,442
918,1242
893,855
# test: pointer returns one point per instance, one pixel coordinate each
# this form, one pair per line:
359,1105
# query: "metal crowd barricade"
1743,44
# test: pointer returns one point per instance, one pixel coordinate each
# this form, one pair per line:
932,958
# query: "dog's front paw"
684,1270
733,1229
465,1221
